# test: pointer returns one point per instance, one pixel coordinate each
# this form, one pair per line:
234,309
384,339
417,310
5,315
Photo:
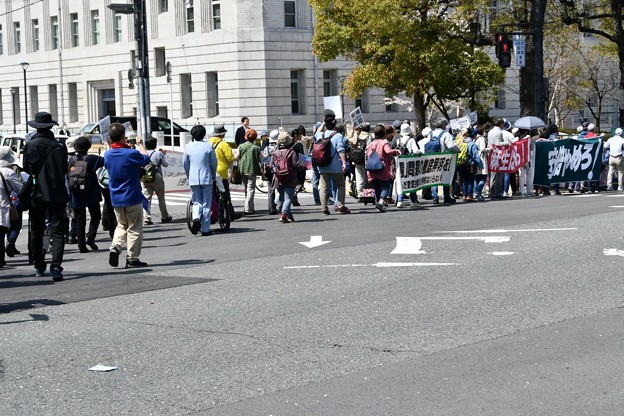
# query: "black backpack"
78,174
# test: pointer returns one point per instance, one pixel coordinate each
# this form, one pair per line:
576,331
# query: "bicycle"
220,212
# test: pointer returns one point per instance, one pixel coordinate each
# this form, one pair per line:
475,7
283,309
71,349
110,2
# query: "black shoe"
273,211
113,257
166,219
436,200
39,272
10,250
83,249
57,276
148,222
296,203
206,233
326,211
237,216
195,227
92,245
134,264
449,200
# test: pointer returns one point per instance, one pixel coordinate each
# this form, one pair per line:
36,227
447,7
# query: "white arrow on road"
613,252
315,241
413,245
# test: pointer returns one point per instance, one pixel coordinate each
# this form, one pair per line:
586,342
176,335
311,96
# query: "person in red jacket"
379,176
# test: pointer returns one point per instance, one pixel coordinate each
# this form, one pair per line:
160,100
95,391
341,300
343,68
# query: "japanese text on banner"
509,158
425,171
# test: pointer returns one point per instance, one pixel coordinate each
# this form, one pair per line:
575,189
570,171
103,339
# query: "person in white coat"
408,146
200,166
10,183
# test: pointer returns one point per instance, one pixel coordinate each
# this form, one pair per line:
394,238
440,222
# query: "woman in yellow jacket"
225,158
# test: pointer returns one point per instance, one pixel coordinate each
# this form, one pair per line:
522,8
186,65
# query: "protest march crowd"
385,164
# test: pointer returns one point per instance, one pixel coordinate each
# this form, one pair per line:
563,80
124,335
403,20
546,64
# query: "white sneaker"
415,205
400,204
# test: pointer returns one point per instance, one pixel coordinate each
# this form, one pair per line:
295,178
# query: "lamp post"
24,66
13,94
170,82
137,8
342,78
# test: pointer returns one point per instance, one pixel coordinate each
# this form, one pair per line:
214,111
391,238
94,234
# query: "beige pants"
129,230
249,183
616,164
158,187
324,185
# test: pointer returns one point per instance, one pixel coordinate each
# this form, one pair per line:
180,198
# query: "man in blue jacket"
123,164
200,166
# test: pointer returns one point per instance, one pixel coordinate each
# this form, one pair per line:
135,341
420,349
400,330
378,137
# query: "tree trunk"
419,110
527,82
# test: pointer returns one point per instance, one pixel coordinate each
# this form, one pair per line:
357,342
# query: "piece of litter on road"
102,368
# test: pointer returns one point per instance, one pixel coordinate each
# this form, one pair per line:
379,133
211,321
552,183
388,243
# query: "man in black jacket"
239,137
46,160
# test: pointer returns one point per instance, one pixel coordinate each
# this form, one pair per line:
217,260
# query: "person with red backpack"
285,165
328,153
379,165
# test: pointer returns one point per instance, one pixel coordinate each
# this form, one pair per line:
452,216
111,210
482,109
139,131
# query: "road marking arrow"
408,245
315,241
613,252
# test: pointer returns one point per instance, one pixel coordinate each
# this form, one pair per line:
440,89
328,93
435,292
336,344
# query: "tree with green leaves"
428,49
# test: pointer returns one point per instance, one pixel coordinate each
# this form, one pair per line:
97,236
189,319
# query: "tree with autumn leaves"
428,49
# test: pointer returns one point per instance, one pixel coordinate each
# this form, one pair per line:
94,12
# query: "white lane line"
502,253
528,230
584,196
490,239
381,264
615,196
613,252
616,206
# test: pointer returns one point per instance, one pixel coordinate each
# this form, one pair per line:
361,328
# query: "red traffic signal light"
504,46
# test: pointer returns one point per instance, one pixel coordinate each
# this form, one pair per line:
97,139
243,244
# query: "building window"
392,108
290,15
159,62
72,87
161,111
18,37
55,32
190,17
75,38
297,89
163,6
329,83
212,93
53,101
186,92
35,30
499,103
1,44
1,120
117,27
95,27
33,107
216,14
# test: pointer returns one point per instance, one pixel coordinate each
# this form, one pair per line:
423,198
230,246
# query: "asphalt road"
496,308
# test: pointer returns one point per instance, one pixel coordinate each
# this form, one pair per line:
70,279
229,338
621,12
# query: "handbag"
13,213
235,177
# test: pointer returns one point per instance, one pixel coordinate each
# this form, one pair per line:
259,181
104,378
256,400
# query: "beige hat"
284,140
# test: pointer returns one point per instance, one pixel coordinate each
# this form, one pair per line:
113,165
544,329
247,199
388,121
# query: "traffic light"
504,46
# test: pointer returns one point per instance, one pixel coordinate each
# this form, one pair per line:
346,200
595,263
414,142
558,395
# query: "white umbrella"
529,123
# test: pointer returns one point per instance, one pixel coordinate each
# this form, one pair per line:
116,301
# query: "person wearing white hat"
615,146
10,183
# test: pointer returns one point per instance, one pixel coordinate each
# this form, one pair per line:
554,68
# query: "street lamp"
137,8
342,78
14,92
170,82
24,66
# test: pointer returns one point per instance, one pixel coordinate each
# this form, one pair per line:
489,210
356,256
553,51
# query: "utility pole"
538,39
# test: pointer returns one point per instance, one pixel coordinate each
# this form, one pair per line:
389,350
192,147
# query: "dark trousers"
14,229
82,235
108,219
3,231
56,220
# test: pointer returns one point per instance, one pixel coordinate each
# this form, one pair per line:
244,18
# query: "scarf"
118,145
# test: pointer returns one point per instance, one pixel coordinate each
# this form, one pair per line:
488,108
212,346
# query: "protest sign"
333,103
425,171
567,160
458,124
509,158
357,118
104,124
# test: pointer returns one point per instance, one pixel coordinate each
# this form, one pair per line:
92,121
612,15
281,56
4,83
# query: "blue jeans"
382,189
202,203
480,184
286,195
316,176
412,197
446,191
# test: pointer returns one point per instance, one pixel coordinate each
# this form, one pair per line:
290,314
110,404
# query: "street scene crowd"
59,183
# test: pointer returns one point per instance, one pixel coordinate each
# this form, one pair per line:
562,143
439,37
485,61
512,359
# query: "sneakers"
92,245
326,211
206,233
113,257
449,200
344,210
415,205
480,198
39,272
283,218
273,211
195,227
134,264
436,200
148,222
291,218
400,204
380,206
57,275
10,250
166,219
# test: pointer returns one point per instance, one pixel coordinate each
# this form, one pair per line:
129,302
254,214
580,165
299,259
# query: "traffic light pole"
140,32
538,41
